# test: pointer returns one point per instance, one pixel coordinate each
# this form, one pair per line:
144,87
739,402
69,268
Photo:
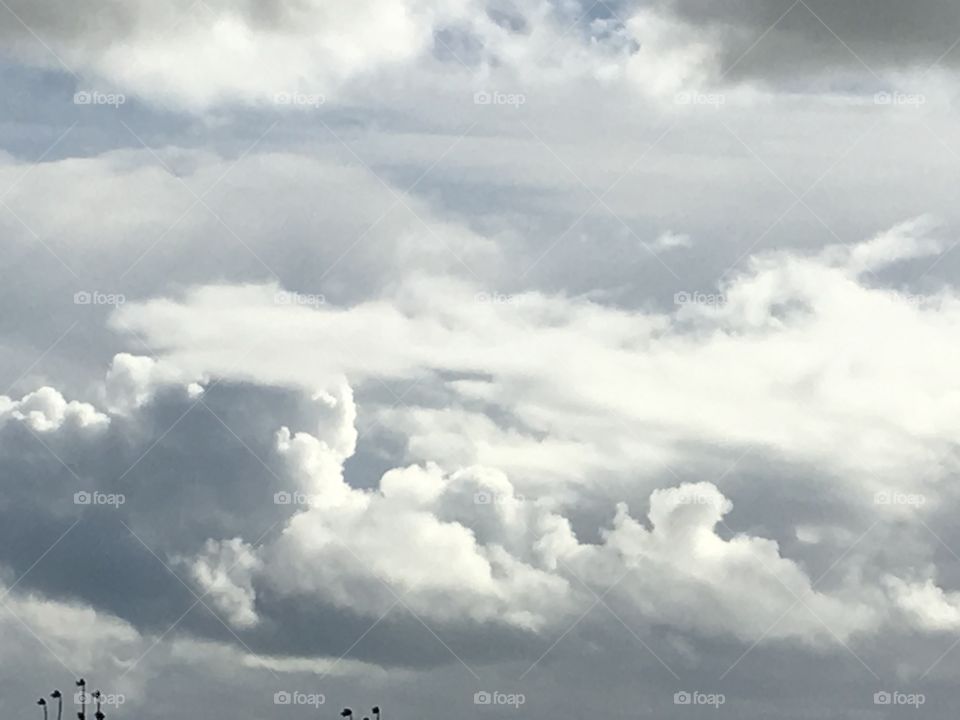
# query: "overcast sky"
480,358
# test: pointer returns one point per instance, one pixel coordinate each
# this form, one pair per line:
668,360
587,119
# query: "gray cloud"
826,40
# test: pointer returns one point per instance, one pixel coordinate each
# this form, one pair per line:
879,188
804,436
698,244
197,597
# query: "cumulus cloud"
681,572
46,410
441,541
926,605
132,381
223,571
463,545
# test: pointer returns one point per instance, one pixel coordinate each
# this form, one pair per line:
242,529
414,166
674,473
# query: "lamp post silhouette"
43,703
99,714
376,711
56,694
82,684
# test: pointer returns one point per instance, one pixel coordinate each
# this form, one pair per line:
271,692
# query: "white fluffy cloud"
423,537
680,572
463,545
925,605
223,570
133,380
45,410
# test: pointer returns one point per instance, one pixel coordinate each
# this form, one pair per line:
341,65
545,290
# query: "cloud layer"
413,349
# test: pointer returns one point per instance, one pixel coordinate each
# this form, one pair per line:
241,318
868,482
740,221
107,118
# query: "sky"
480,358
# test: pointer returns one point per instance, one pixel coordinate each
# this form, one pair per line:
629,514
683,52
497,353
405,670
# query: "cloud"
471,547
671,240
132,381
256,53
396,397
311,52
780,41
223,570
56,640
249,52
905,241
925,605
46,410
757,366
465,546
79,635
682,573
458,538
423,544
136,248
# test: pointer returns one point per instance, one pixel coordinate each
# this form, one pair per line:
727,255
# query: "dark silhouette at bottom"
98,699
348,713
56,694
82,684
82,699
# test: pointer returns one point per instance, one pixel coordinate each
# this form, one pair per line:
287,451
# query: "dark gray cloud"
782,41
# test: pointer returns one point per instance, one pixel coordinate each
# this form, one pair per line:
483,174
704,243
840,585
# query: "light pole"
82,684
56,694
